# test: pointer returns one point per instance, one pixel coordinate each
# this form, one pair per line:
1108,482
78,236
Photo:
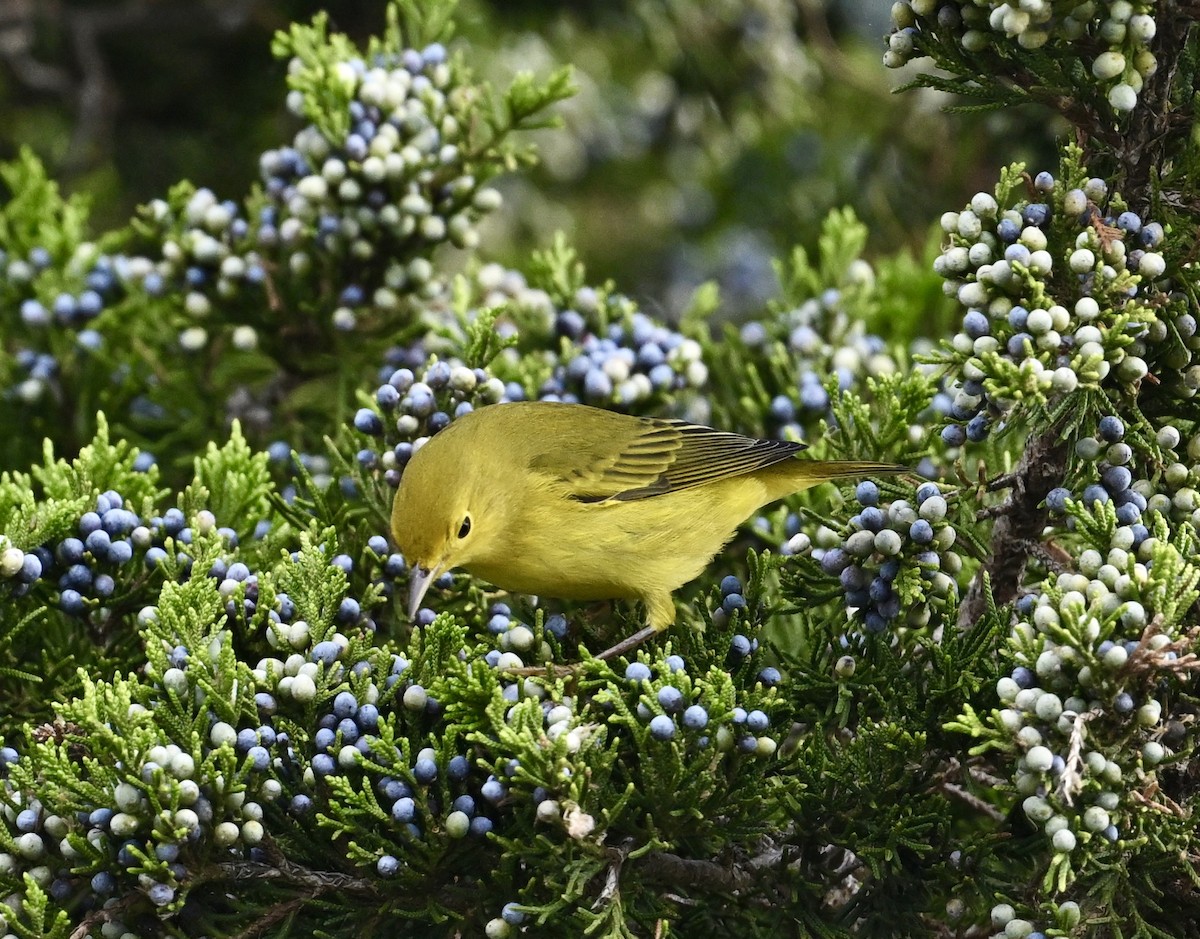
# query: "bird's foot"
627,644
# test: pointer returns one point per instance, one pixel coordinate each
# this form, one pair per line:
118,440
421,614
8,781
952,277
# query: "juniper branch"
1019,524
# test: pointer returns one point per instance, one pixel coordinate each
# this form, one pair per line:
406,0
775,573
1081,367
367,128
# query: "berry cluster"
87,566
1065,916
134,831
1096,656
1058,295
596,347
35,287
379,197
1171,493
894,563
1118,31
807,344
1115,482
625,365
668,706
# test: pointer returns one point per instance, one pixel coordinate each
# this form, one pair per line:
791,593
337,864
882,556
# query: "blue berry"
458,768
695,717
70,602
1151,235
1128,514
978,428
834,560
98,542
368,422
464,804
867,493
730,584
927,491
954,435
1117,479
259,758
1036,213
324,738
556,625
31,568
1056,499
325,653
70,551
493,790
387,866
1007,230
637,671
28,820
670,697
874,622
511,915
404,810
921,532
662,727
976,325
813,397
368,718
1130,222
387,397
425,771
480,826
872,518
103,883
324,765
345,704
1111,428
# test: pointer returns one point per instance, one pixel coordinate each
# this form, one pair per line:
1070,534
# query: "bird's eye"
465,528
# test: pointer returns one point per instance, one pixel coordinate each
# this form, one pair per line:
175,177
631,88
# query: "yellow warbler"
570,501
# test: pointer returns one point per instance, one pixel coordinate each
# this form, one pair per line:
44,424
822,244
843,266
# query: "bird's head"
449,511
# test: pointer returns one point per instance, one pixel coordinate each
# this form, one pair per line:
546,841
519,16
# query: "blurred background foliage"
728,128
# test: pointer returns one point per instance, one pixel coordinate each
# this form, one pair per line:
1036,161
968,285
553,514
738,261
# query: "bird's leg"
629,643
564,671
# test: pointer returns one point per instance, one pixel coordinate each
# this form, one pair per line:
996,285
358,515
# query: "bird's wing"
651,457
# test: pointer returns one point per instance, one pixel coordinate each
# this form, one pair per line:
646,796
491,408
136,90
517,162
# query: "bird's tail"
797,475
840,469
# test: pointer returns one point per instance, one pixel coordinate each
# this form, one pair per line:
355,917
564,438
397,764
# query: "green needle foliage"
959,701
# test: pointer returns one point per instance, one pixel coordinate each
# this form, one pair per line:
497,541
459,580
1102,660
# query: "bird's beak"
419,579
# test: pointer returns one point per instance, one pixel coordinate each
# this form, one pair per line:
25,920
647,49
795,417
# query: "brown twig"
666,868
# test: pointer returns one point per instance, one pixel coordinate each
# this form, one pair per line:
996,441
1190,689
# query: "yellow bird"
571,501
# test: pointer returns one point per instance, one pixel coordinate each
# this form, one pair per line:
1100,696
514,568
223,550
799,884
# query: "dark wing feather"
653,457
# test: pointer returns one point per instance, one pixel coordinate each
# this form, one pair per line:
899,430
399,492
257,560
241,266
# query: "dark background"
708,136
